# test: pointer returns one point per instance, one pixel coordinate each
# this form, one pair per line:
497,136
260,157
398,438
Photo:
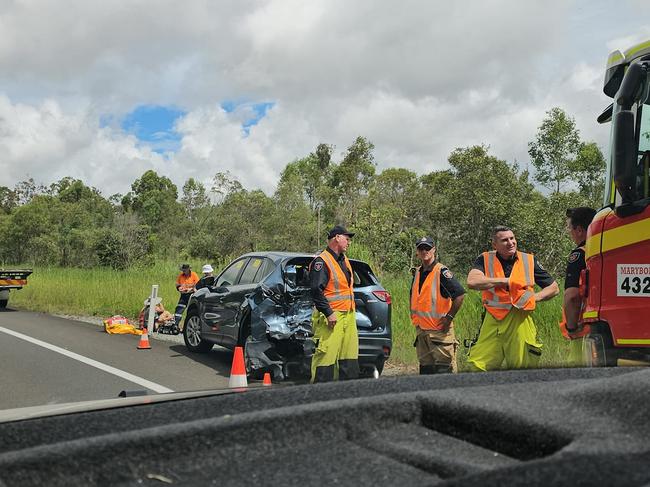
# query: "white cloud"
417,78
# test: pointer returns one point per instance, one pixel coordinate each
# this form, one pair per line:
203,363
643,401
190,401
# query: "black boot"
427,369
443,369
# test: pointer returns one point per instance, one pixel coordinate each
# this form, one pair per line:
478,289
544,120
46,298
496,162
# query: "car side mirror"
220,290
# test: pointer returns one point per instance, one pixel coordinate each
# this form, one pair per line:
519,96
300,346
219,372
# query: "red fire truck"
616,282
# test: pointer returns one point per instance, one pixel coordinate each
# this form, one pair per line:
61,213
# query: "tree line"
71,224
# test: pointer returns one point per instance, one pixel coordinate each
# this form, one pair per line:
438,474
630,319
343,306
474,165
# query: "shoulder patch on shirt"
318,265
539,264
574,256
447,273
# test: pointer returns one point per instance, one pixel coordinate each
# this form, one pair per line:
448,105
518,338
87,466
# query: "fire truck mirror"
630,89
624,155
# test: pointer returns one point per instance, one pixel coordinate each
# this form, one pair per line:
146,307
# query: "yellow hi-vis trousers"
513,340
337,349
576,357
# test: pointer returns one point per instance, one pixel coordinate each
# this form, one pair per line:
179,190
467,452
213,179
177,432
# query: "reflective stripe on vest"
497,301
490,297
428,306
338,292
529,277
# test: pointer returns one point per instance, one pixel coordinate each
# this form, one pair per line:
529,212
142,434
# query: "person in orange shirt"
185,284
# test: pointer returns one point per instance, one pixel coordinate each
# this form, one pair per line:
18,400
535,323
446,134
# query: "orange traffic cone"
267,379
238,370
143,344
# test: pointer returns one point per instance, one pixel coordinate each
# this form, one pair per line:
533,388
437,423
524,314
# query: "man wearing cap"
507,278
207,279
436,297
334,322
577,222
185,284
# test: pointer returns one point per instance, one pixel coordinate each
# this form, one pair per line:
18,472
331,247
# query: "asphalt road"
51,360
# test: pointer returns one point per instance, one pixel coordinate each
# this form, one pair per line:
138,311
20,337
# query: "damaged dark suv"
262,302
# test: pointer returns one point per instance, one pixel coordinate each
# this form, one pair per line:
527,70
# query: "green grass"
104,292
97,292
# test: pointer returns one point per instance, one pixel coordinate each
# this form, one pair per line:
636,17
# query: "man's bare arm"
572,304
478,281
548,292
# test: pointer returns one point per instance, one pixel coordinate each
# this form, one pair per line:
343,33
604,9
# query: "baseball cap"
185,267
207,268
339,230
428,241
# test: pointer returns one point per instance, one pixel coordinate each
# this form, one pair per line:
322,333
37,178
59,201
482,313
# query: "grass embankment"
97,292
105,292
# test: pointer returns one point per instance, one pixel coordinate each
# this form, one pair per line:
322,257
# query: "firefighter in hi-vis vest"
335,325
507,278
577,222
436,297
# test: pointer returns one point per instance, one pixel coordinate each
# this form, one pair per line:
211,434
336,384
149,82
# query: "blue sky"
154,125
254,112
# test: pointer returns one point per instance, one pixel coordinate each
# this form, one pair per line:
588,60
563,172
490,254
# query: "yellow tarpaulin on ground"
120,325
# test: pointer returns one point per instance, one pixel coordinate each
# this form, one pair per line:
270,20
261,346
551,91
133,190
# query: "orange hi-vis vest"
428,306
520,293
338,292
581,332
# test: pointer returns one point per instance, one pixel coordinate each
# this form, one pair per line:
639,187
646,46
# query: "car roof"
278,256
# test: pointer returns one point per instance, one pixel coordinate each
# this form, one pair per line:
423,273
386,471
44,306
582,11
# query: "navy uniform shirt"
542,277
319,277
449,286
574,266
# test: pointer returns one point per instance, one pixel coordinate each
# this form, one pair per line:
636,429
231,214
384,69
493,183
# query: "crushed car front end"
280,311
278,331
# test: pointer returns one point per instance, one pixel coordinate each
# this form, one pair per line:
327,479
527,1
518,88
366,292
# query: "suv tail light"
382,296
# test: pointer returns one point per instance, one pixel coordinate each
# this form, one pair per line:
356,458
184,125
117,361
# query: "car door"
217,308
245,285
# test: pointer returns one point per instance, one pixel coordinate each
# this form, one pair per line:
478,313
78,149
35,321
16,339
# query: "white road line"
88,361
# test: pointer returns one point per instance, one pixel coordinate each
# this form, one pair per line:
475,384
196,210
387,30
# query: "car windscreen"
229,276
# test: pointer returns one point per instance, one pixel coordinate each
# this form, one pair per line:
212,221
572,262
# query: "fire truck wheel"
603,351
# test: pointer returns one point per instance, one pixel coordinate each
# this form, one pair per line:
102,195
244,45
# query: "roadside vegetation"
100,255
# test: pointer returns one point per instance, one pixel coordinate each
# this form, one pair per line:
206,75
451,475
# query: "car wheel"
3,303
244,330
380,366
192,335
250,373
371,370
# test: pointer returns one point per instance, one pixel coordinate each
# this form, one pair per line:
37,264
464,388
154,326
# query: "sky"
104,91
